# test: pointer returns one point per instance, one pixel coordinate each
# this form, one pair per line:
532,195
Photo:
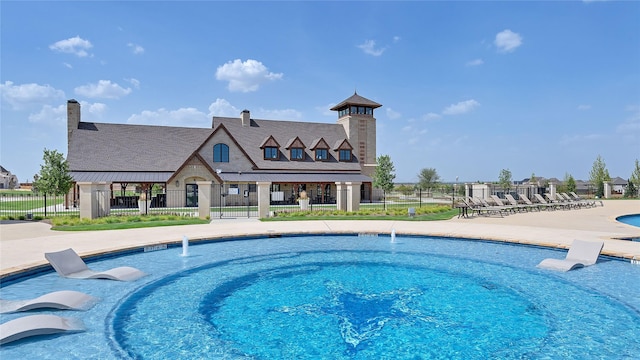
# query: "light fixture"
177,183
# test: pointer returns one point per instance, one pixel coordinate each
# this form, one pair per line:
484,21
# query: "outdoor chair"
581,253
34,325
61,300
68,264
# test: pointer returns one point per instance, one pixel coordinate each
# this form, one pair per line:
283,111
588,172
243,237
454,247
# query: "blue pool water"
347,297
633,220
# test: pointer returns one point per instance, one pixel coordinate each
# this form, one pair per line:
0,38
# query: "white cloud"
75,45
223,108
324,110
102,89
68,65
369,47
57,115
91,111
407,128
136,49
431,116
396,39
572,139
392,114
632,123
245,76
474,62
507,41
283,114
134,82
584,107
25,95
461,107
50,115
186,117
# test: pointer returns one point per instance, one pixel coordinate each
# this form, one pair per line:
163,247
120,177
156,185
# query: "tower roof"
356,99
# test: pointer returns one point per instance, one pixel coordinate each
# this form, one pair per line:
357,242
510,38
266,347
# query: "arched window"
220,153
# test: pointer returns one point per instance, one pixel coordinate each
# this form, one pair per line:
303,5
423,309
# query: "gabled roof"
251,137
124,148
342,145
356,99
619,181
319,143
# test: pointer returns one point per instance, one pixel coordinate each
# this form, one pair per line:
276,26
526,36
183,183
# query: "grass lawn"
73,223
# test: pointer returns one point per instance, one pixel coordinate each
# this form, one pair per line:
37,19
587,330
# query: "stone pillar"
466,191
264,199
607,190
94,199
552,190
341,201
204,199
353,196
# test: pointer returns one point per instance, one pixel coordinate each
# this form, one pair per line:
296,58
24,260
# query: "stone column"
353,196
341,203
204,199
552,190
607,190
466,191
94,199
264,199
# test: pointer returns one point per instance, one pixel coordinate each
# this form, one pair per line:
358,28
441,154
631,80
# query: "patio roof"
293,177
121,176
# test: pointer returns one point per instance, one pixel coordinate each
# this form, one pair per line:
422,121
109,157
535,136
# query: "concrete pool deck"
23,243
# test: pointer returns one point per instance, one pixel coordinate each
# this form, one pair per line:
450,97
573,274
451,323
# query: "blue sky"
468,88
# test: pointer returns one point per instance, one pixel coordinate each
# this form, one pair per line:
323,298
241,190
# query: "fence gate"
234,201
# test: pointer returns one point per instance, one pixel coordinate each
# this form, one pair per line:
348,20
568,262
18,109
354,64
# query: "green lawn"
73,223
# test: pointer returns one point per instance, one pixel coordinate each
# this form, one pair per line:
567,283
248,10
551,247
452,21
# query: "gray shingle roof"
132,148
251,137
294,177
356,99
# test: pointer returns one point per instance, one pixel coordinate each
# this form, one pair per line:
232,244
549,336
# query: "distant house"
7,179
619,185
237,152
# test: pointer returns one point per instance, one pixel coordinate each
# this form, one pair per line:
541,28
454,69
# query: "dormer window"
271,148
270,153
345,155
322,155
297,154
344,150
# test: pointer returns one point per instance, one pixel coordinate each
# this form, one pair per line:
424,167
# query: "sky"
468,88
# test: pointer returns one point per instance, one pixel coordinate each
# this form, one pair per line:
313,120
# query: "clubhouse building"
271,161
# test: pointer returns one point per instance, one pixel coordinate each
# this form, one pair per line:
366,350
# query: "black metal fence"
234,201
227,201
30,205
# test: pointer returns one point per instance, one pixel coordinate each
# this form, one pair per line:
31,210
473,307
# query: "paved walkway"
23,244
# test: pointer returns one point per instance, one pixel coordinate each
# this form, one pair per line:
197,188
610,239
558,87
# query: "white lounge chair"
581,253
68,264
62,300
34,325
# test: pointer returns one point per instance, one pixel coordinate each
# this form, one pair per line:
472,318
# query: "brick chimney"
245,116
73,117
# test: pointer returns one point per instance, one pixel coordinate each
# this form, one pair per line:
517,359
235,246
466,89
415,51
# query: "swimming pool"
348,297
633,220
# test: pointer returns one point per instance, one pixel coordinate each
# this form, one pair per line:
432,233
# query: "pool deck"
23,243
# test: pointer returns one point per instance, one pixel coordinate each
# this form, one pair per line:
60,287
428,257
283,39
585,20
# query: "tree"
631,190
505,180
599,175
533,178
635,179
428,178
53,178
569,183
384,174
